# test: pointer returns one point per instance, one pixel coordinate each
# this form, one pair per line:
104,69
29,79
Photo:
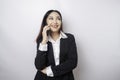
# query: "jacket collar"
62,35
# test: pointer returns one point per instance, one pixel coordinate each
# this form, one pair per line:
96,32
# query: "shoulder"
70,39
70,36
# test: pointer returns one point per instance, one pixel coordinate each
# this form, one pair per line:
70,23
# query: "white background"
94,23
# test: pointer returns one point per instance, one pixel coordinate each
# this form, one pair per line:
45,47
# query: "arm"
40,59
70,63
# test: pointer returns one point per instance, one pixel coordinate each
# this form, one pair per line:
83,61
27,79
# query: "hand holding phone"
45,33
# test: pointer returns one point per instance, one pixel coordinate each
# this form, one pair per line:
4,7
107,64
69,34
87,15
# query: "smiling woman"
56,51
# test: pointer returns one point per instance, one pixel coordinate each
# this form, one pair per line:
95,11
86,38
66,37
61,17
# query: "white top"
56,51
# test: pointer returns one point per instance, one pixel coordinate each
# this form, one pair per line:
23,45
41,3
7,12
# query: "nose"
55,21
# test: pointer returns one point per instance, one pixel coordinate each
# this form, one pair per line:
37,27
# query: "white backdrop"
94,23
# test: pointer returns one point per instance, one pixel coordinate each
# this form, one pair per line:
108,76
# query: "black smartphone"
48,32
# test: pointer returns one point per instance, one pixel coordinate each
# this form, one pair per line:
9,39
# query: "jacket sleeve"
40,59
70,63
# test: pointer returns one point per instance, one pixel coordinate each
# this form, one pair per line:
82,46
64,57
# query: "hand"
44,34
44,71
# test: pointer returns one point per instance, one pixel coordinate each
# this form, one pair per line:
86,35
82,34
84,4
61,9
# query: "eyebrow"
50,16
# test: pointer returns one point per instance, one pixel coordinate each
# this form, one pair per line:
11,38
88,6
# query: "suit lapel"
51,54
62,47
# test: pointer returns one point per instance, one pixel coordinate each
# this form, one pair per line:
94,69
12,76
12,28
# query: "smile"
55,26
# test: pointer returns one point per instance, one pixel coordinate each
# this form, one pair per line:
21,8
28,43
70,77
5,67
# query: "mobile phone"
48,32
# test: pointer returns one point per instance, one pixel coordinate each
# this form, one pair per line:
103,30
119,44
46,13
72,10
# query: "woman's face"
54,21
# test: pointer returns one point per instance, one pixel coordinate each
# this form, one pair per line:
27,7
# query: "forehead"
54,14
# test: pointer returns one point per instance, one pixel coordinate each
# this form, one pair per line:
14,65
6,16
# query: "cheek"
48,22
59,22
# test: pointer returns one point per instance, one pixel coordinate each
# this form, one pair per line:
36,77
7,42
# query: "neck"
55,35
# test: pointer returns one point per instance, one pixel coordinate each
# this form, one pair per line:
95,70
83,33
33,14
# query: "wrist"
44,42
43,71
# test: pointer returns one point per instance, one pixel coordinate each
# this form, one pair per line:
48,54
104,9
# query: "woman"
56,51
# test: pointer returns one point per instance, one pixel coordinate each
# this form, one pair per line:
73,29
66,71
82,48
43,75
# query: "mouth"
55,26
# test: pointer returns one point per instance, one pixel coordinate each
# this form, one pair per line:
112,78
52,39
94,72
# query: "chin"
55,30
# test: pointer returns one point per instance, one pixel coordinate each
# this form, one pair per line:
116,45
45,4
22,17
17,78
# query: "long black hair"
45,23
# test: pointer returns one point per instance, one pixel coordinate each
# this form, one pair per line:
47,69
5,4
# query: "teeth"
55,26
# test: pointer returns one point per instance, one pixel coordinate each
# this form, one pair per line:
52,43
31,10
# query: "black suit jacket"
68,60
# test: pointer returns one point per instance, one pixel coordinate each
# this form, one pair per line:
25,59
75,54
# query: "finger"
45,27
48,28
49,24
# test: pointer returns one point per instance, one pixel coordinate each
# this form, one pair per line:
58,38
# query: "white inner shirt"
56,49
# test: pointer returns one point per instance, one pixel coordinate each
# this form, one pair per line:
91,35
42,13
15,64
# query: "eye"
58,18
